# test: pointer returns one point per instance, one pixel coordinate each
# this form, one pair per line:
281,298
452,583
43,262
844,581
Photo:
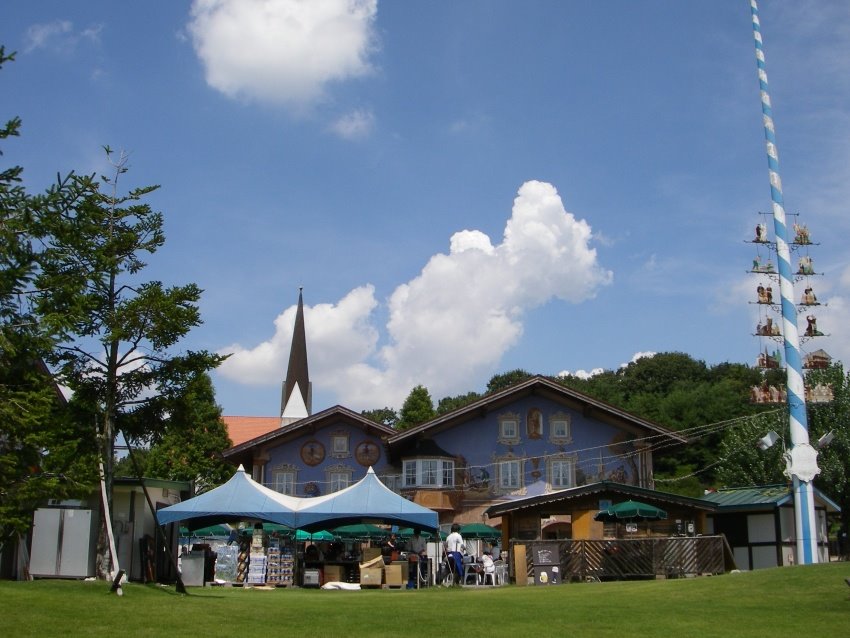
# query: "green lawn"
792,601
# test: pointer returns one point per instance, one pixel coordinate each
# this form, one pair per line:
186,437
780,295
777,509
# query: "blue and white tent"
366,500
243,499
240,499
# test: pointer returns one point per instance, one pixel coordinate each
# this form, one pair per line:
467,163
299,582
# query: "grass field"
792,601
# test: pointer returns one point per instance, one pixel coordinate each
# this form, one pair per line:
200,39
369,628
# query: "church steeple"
296,398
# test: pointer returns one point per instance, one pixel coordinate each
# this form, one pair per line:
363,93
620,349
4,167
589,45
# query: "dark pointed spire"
296,398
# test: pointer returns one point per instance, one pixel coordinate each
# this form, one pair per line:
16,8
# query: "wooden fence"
626,559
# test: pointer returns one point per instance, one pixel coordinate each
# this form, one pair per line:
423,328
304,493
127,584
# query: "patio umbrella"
631,511
361,531
481,531
320,536
212,530
406,532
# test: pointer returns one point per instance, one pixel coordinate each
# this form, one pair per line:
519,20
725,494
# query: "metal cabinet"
63,543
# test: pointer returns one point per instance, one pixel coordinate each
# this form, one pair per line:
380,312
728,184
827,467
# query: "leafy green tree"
685,395
195,437
834,417
124,466
507,379
449,404
418,408
659,373
42,453
744,463
605,386
384,416
118,336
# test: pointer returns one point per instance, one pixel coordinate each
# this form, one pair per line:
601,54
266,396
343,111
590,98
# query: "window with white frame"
284,480
510,474
559,428
508,428
429,473
338,477
339,444
339,481
562,472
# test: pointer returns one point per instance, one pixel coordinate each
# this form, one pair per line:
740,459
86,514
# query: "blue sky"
462,188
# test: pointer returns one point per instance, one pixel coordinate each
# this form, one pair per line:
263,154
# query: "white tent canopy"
242,498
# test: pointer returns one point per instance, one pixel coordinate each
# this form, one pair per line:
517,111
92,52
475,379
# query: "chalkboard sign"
545,555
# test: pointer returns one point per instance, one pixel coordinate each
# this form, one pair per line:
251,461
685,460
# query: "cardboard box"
393,575
334,573
371,576
369,553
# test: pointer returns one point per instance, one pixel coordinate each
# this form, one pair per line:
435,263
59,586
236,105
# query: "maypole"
801,458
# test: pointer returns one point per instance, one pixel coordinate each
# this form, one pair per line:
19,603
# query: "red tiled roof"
245,428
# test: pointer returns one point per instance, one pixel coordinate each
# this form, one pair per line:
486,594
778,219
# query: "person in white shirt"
455,547
489,567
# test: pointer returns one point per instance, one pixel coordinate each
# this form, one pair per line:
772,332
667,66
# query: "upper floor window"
340,445
429,473
559,428
510,474
338,477
284,479
508,428
562,472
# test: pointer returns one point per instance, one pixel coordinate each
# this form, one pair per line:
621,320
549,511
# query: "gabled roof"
245,428
760,497
602,487
541,386
313,422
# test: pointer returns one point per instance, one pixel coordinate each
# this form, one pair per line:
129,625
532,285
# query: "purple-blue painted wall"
311,455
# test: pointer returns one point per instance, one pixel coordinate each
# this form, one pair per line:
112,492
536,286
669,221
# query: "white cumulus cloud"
354,125
449,326
59,36
282,51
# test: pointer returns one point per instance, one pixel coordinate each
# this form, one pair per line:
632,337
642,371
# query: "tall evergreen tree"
41,453
418,408
118,335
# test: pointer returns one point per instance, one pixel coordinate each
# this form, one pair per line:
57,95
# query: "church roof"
297,375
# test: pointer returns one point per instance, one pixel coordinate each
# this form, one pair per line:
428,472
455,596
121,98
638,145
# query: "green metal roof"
761,497
768,495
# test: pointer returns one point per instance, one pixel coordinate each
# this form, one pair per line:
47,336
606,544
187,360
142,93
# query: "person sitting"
489,567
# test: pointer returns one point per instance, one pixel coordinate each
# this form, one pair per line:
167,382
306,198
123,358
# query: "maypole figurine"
801,458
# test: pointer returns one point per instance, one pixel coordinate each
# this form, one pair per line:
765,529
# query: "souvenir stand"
268,560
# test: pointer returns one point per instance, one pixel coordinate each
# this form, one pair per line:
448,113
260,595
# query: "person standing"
415,555
455,547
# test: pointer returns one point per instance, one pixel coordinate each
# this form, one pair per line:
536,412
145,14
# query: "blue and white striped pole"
801,457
